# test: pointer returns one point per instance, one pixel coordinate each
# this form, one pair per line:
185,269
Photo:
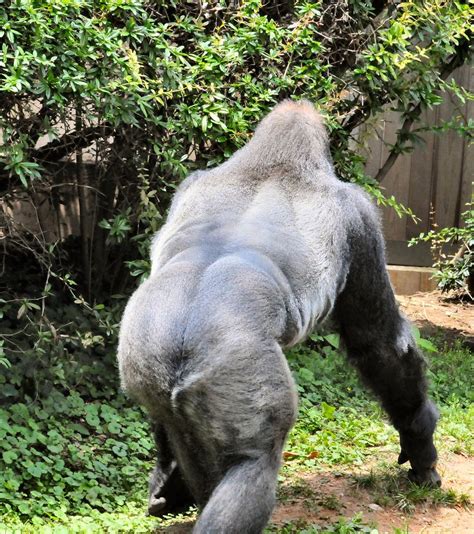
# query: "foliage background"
106,105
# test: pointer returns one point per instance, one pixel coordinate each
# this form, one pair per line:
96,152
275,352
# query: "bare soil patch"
334,496
435,314
329,496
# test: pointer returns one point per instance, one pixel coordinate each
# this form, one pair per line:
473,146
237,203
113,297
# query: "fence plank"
449,162
468,159
397,180
437,175
421,178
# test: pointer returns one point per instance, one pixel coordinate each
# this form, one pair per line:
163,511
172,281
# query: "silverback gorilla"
254,256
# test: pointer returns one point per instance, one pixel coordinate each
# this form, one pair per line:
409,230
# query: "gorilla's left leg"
167,491
380,345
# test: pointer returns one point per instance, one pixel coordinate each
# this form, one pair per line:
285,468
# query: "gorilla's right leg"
167,491
397,375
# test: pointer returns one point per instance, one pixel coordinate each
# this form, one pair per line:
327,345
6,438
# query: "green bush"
106,105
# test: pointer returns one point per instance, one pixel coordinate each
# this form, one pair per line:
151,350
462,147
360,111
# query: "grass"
390,487
341,424
343,525
292,489
340,429
130,518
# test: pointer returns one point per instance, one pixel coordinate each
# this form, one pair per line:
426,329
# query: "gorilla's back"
292,221
237,251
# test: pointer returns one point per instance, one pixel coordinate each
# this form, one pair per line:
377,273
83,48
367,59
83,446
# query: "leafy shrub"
59,346
323,375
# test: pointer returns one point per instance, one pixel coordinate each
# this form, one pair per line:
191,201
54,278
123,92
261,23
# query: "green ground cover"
73,465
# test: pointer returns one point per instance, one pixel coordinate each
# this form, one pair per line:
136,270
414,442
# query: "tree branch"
397,149
68,143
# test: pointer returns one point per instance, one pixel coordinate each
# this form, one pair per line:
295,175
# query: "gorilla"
255,255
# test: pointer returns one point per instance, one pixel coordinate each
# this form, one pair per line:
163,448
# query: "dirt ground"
456,471
335,495
433,314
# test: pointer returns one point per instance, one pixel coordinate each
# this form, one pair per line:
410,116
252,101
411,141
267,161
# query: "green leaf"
114,427
327,411
120,450
333,339
425,344
9,456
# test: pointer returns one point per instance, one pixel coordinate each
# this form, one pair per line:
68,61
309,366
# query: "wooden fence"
435,180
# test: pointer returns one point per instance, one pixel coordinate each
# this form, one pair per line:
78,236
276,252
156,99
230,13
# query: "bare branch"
69,143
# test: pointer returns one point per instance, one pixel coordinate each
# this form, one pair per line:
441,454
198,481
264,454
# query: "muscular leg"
244,499
233,419
380,344
167,491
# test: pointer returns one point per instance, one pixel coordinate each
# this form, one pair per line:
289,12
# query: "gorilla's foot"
422,476
168,492
156,506
426,477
